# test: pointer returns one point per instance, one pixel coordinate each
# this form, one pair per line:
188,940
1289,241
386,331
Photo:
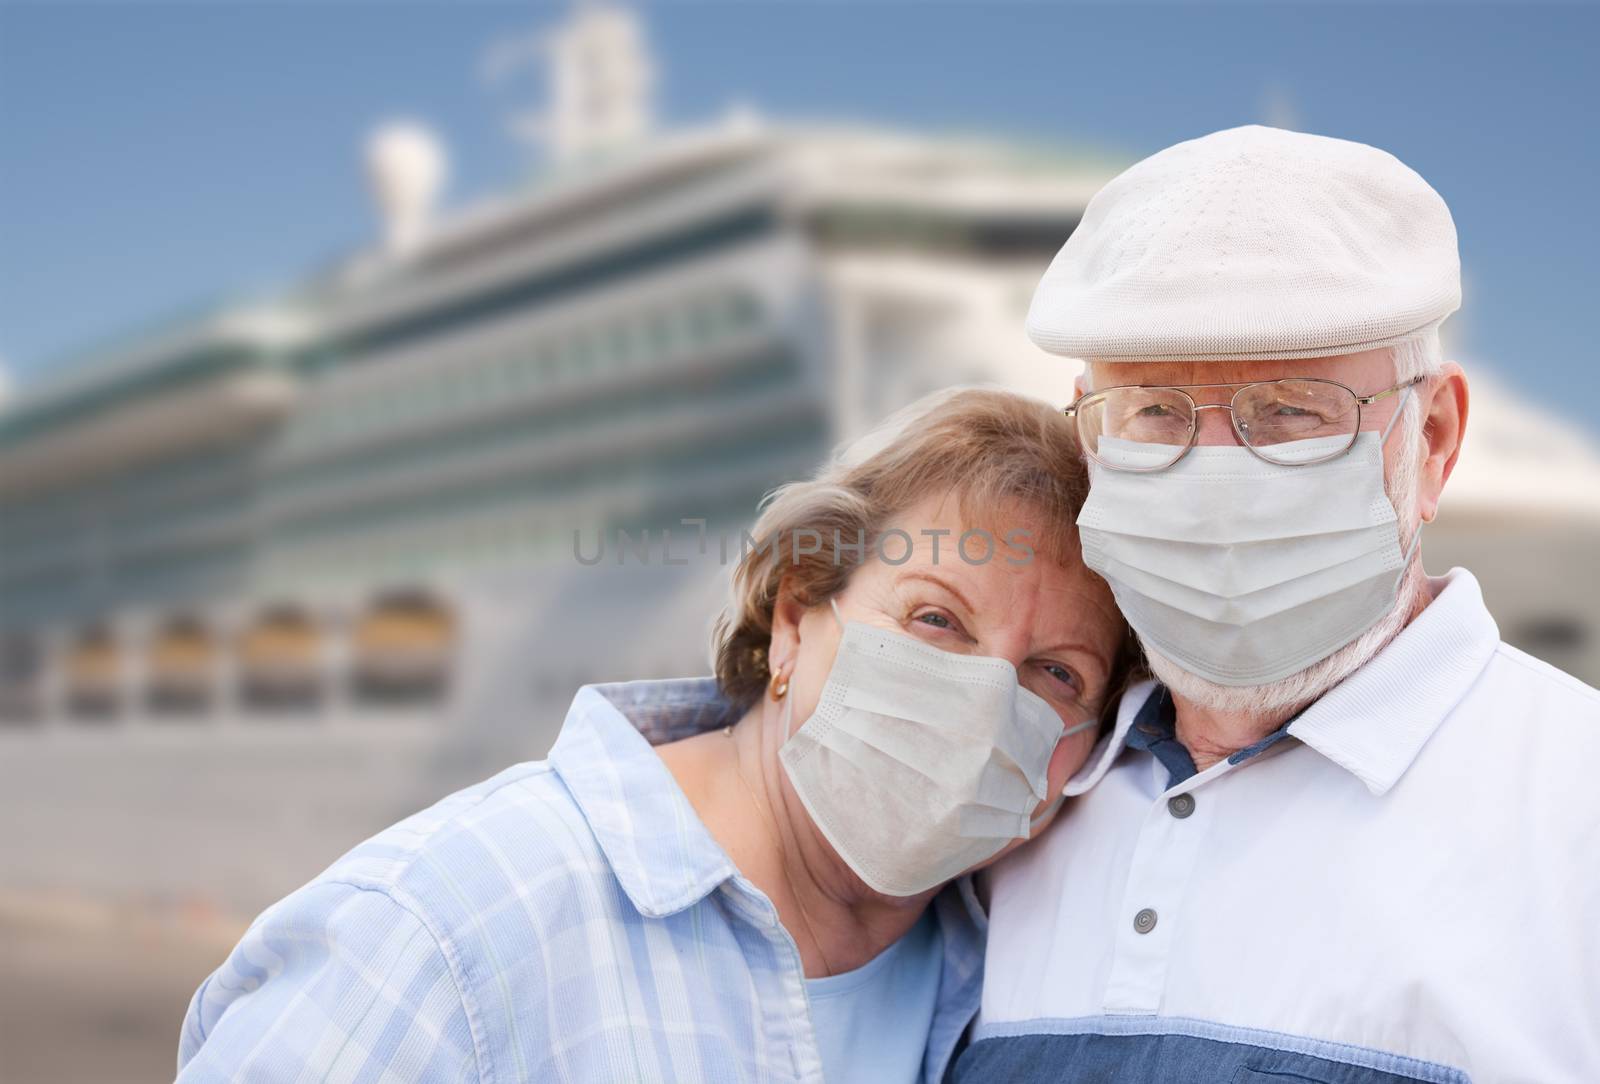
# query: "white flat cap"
1251,243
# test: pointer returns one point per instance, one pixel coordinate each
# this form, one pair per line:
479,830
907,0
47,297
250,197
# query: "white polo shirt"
1405,888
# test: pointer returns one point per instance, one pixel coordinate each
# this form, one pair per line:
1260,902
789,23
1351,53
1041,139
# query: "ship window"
93,673
403,648
580,351
702,322
659,332
743,310
483,384
21,677
279,661
181,668
620,342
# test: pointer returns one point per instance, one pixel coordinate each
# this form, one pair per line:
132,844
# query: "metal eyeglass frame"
1233,418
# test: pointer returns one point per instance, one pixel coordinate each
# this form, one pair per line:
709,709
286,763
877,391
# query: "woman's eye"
937,620
1061,674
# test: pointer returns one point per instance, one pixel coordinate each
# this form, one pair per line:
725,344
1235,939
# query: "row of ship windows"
699,324
739,382
394,555
695,326
20,565
400,651
516,536
513,538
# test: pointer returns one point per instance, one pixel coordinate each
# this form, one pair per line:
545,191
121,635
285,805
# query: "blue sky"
154,157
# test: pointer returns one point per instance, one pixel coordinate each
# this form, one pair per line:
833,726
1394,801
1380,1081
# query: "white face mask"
919,763
1241,571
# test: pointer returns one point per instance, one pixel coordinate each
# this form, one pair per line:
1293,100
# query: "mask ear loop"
783,732
787,716
1416,538
1044,814
1398,412
1055,803
1411,553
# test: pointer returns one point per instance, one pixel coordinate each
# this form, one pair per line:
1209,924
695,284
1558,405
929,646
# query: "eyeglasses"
1293,422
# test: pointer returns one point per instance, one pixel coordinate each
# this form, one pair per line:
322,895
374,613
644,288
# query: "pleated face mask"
1243,571
920,763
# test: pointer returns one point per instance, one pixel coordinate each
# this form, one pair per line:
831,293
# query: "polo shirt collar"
660,851
1111,744
1376,721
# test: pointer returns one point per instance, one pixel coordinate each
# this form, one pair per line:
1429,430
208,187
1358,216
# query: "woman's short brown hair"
991,449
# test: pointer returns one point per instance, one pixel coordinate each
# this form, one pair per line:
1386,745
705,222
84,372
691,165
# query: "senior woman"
760,877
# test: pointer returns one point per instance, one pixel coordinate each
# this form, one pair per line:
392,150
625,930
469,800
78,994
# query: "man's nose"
1213,424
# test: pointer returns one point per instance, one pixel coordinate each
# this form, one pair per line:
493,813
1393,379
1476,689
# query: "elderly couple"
1343,835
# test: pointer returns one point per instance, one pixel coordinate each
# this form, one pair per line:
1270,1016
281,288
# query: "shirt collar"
660,851
1110,746
1155,731
1376,721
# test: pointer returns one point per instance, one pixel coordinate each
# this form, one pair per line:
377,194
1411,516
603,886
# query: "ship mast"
601,83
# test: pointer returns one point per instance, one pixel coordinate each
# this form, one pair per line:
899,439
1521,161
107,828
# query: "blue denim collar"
1155,731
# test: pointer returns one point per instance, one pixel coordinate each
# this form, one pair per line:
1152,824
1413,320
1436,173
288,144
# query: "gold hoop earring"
778,688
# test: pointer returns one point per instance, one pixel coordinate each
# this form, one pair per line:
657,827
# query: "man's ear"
1445,413
1080,383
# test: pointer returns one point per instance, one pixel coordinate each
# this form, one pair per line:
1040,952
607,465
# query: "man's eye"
1284,410
1155,410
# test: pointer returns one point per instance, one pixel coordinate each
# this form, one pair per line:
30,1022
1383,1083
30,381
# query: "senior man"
1350,836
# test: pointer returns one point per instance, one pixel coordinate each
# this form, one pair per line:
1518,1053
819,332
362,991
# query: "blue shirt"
566,920
871,1022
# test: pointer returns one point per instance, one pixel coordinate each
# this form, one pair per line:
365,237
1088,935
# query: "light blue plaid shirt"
569,919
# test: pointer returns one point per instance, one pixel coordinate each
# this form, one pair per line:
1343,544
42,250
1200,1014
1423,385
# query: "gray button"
1144,921
1180,805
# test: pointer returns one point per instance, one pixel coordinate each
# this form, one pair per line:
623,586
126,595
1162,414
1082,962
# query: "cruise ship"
275,576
